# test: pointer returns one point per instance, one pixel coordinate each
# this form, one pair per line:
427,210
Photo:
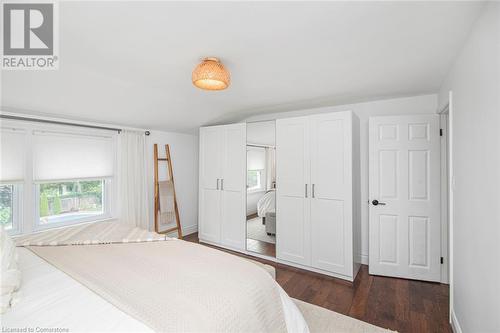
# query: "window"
256,166
71,202
52,176
6,206
12,173
10,207
72,173
254,180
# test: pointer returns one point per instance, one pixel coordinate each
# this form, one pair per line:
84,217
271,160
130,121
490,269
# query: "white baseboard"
455,325
190,229
362,258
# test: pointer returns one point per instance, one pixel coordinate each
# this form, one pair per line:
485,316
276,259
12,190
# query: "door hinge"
442,260
440,132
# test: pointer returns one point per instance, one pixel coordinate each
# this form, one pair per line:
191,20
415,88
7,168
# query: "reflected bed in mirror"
261,184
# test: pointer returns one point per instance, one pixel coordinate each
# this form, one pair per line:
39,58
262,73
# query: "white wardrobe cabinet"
317,191
222,192
317,208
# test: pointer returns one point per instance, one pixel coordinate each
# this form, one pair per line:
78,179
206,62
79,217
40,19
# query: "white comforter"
267,203
50,298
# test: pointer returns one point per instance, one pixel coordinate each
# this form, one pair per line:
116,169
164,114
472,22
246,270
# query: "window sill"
42,227
37,230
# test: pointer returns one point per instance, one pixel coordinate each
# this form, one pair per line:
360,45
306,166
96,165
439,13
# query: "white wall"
399,106
474,80
184,154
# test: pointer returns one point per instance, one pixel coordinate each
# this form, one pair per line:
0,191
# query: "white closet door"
211,152
405,226
210,173
233,186
293,190
331,192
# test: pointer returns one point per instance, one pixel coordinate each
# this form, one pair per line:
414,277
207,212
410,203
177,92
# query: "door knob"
376,203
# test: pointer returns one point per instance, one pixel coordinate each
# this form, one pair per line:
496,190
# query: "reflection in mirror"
261,185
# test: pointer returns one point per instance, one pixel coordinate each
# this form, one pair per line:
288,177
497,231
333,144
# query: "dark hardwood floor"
267,249
396,304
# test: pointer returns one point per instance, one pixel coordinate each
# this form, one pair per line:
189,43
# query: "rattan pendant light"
210,74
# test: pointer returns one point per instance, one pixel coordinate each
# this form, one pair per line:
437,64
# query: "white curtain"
270,167
132,179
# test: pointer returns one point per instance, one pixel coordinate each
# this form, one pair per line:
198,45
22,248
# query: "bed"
267,203
104,277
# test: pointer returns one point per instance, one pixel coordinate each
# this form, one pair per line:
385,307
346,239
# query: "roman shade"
64,156
256,158
12,151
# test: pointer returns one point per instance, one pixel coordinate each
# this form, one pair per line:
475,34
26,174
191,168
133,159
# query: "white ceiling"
130,63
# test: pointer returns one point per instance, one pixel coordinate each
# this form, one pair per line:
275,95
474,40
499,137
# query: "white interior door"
210,173
293,190
404,177
331,192
233,186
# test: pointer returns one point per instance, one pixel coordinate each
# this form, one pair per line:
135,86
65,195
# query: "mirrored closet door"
261,186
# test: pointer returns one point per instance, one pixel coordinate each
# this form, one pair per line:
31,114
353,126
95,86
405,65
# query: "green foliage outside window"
44,204
6,197
78,196
57,206
5,215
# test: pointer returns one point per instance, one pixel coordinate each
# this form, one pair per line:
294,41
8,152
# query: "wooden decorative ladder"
157,192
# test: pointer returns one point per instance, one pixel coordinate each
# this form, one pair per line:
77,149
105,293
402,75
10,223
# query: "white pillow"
10,278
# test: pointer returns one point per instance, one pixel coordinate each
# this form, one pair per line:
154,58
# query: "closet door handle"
222,184
305,191
217,183
313,190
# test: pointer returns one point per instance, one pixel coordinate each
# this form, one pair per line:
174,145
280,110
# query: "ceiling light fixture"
211,74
